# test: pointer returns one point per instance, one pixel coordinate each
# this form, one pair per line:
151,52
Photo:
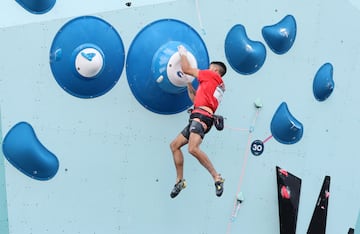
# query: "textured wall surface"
116,170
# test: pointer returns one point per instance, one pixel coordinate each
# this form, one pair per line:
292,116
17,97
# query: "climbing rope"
199,16
236,205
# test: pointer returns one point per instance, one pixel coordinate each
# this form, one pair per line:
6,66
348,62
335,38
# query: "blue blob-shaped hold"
24,151
323,84
281,36
87,57
37,6
244,55
284,127
153,65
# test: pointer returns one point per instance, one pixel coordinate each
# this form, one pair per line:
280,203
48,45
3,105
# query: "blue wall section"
116,170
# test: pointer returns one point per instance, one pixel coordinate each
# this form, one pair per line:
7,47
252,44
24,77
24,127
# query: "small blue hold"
323,84
36,6
24,151
281,36
244,55
284,127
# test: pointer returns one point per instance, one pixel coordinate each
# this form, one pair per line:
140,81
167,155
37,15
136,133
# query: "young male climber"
206,100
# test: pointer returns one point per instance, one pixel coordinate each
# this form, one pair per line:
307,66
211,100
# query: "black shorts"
197,127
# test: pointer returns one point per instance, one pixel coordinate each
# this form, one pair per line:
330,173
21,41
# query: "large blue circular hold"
153,65
87,57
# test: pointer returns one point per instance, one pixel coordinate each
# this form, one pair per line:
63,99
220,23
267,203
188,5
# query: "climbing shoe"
219,187
180,185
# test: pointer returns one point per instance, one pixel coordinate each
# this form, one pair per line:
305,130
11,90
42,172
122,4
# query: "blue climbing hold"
244,55
323,84
153,65
37,6
87,57
280,37
284,127
24,151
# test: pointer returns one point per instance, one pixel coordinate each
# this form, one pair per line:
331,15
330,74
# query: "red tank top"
210,90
